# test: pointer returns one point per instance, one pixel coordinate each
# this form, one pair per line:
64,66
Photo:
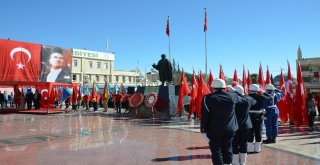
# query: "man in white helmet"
239,143
256,115
272,113
218,121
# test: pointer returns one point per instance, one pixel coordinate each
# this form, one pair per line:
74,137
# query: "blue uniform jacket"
218,112
271,105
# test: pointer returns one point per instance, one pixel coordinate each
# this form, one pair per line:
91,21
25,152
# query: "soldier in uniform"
218,121
256,115
239,143
272,113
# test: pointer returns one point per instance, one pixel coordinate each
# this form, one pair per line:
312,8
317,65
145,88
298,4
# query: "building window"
106,65
130,79
74,77
123,79
98,65
90,64
97,78
117,78
75,63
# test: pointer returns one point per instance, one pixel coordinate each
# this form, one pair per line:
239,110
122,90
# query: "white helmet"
254,87
230,88
219,83
239,89
270,87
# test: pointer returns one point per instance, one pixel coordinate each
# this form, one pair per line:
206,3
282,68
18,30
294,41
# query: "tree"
174,65
254,78
179,68
272,81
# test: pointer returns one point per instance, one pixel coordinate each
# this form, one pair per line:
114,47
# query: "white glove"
261,90
205,137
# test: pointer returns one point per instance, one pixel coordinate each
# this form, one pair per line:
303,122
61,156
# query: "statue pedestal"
166,105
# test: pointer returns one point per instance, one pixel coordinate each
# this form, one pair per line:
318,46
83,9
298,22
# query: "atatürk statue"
165,69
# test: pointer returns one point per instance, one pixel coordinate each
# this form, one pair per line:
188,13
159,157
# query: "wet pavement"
100,138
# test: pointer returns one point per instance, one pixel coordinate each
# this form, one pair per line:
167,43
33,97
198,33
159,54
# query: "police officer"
272,113
239,143
218,121
256,115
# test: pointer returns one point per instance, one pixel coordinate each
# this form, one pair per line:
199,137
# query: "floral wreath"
135,100
151,99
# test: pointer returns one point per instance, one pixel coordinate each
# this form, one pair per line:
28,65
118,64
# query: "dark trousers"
311,120
221,147
271,124
255,131
239,143
36,104
118,107
29,105
95,106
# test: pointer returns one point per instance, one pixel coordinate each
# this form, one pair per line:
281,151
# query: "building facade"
92,66
310,68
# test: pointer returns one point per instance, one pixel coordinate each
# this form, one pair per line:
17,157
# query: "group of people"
232,121
117,101
6,99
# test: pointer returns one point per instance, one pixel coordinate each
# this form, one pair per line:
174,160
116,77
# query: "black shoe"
273,140
267,141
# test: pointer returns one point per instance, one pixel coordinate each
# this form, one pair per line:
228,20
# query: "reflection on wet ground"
99,138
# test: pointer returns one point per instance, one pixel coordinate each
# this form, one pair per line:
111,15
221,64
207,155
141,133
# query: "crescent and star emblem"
20,49
44,90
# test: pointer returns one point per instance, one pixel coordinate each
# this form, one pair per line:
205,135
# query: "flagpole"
168,34
205,41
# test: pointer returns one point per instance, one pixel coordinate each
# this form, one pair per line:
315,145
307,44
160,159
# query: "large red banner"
19,61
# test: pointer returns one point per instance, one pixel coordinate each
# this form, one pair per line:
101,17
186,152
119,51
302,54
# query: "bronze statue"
165,69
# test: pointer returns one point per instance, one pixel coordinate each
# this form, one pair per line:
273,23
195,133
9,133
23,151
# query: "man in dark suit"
165,69
56,71
36,99
1,99
218,121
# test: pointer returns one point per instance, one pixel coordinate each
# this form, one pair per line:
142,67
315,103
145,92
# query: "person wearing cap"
239,143
256,115
218,121
272,113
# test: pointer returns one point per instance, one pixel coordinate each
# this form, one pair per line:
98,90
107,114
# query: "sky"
240,32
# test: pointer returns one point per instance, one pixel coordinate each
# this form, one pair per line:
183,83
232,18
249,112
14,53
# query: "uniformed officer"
239,143
256,115
218,121
272,113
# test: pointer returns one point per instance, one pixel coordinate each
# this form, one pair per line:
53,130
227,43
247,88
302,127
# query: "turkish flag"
202,91
19,61
289,97
44,91
260,78
268,78
244,81
184,91
168,28
193,95
283,104
235,80
210,81
300,114
248,79
221,74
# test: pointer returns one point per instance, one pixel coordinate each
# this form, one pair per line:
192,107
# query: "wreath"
151,99
135,100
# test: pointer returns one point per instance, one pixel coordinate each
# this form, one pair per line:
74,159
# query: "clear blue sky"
239,31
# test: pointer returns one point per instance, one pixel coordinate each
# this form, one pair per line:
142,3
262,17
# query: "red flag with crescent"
19,61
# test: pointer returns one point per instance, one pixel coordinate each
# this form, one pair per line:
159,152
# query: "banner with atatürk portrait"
19,61
56,64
